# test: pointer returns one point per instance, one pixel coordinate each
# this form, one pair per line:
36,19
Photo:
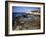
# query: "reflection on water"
27,22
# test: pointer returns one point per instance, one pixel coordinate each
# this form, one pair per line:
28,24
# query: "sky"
23,9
